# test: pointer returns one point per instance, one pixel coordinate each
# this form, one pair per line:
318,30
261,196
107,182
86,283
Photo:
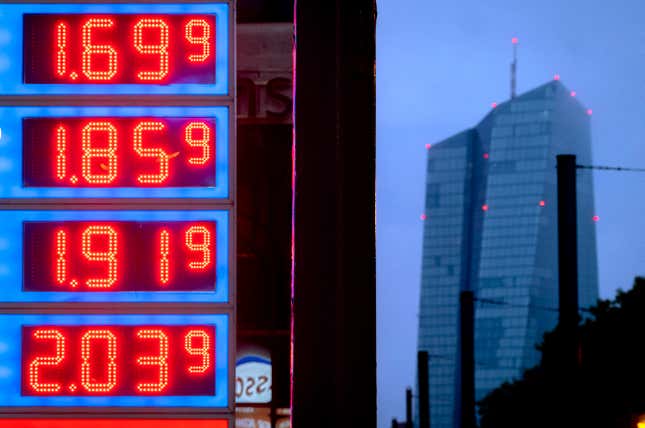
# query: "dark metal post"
467,335
408,408
568,259
566,364
424,389
334,300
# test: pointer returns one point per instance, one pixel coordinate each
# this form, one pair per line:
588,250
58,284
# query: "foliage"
608,390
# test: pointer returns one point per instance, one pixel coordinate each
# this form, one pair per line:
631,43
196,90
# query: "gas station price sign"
117,213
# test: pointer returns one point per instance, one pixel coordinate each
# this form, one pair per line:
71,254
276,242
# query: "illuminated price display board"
139,48
117,214
114,360
115,256
115,152
115,49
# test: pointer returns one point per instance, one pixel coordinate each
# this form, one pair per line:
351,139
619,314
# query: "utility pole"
566,364
424,389
408,408
467,363
568,260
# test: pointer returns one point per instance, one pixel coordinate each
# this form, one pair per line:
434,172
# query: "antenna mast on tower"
514,67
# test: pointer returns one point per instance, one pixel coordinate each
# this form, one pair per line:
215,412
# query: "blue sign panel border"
11,183
11,350
11,257
11,50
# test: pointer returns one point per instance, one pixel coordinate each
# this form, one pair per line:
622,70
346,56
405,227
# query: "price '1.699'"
119,48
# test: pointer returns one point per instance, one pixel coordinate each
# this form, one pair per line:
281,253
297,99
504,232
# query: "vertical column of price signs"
117,223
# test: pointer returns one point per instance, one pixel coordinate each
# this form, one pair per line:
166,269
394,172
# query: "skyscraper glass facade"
491,227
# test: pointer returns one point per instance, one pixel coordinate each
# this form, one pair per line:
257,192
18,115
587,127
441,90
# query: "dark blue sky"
440,65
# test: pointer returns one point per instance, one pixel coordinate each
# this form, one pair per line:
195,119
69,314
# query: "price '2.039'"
118,360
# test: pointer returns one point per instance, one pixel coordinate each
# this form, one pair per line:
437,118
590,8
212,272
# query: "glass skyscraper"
491,227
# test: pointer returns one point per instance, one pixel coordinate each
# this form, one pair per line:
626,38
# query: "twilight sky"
440,65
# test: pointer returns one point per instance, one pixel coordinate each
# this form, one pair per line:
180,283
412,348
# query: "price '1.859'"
119,152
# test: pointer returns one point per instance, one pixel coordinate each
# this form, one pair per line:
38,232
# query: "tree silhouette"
608,389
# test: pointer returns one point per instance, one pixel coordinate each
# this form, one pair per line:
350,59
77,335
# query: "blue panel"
11,33
11,257
11,184
10,360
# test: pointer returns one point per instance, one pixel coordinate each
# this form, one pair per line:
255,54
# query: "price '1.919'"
74,256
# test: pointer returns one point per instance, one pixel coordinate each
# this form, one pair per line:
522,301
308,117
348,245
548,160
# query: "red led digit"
164,261
160,49
109,256
202,349
61,46
61,257
198,134
91,50
88,377
203,38
150,152
61,146
198,239
160,360
54,360
109,152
